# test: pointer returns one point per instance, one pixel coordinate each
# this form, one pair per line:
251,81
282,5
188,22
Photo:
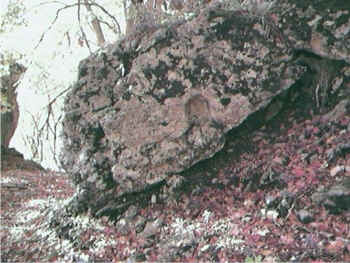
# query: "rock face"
9,106
162,99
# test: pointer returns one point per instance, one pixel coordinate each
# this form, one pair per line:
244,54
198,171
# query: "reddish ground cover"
254,201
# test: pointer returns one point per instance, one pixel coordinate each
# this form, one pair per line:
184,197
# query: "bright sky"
52,66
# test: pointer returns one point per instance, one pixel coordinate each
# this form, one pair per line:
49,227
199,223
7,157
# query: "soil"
253,201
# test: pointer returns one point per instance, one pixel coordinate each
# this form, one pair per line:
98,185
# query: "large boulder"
162,99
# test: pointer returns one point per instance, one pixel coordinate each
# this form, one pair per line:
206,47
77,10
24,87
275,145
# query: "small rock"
318,197
154,199
131,212
123,227
340,150
340,195
271,201
177,245
283,160
140,257
337,170
305,216
271,177
285,203
337,113
152,228
137,257
140,223
272,214
336,199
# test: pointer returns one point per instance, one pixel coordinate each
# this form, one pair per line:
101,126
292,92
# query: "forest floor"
254,201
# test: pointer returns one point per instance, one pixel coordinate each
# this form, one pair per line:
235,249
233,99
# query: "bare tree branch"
82,30
48,129
96,25
52,23
68,38
58,95
49,3
88,6
107,24
108,14
34,141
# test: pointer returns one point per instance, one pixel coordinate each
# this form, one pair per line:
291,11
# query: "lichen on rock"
161,100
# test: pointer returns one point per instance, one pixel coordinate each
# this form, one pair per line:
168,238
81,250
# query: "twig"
13,185
82,30
52,23
108,14
106,23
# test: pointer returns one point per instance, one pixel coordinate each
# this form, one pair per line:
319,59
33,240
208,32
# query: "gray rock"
305,216
337,170
152,228
157,102
339,195
336,199
271,201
